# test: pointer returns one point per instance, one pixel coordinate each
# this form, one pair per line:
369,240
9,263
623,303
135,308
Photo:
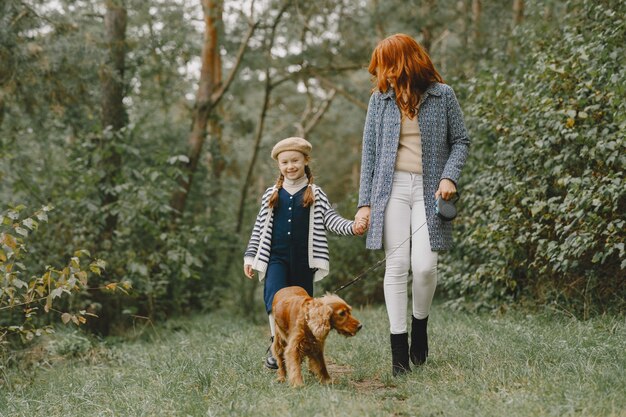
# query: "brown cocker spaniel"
302,324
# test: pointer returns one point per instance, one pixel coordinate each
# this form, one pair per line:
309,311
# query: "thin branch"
349,96
217,96
320,112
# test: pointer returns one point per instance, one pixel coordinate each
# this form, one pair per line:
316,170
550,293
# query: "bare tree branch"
217,96
349,96
319,113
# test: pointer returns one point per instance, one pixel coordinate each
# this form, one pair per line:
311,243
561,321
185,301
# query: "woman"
414,147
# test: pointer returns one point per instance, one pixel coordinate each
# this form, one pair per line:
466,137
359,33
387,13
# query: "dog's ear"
319,319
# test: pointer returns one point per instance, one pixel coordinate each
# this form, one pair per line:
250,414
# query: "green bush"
544,207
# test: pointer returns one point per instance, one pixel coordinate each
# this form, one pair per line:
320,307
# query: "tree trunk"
216,161
381,33
208,96
114,119
428,8
476,16
1,107
462,10
202,108
258,135
114,116
518,12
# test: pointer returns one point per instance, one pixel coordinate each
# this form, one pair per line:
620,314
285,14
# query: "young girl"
288,245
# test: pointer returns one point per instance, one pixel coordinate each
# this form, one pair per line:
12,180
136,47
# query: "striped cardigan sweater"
322,217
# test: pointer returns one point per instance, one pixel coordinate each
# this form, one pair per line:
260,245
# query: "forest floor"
513,364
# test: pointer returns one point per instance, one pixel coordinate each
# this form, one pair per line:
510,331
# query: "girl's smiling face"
291,164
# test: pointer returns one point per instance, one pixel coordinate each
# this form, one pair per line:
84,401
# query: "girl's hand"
248,271
363,216
446,189
359,227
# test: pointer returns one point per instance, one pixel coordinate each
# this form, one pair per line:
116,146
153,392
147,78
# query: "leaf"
18,283
42,216
81,252
40,290
182,158
111,286
66,317
57,292
82,277
3,257
9,240
75,320
21,231
30,223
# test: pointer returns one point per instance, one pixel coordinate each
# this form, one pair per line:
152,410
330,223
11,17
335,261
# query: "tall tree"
114,116
208,95
518,12
476,16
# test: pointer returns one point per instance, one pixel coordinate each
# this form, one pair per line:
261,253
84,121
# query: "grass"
480,365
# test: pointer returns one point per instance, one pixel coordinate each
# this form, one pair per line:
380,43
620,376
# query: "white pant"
405,213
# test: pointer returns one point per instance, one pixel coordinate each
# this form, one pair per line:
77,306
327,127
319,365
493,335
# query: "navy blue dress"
289,257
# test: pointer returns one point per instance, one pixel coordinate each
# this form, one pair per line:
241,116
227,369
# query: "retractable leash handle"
446,209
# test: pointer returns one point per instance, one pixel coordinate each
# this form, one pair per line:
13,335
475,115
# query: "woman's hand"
446,189
248,271
362,220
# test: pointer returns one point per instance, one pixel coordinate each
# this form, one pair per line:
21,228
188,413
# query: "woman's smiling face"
291,164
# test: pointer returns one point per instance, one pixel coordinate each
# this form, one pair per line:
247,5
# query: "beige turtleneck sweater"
293,186
409,157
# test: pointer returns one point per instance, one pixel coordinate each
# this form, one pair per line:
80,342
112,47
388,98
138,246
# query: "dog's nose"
359,326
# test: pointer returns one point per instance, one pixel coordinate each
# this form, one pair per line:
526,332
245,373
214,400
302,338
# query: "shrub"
544,208
24,294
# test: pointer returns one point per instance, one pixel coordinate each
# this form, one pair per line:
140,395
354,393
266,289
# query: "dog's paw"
328,381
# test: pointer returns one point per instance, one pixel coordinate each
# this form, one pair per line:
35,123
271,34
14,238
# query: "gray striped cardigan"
322,217
445,146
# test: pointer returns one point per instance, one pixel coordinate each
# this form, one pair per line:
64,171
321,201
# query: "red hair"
401,62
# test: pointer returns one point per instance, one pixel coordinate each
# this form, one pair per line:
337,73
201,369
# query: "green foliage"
24,294
544,208
542,220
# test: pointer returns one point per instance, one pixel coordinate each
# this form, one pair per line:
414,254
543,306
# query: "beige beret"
292,144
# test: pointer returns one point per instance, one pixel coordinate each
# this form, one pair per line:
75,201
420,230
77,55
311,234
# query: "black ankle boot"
400,354
419,341
270,361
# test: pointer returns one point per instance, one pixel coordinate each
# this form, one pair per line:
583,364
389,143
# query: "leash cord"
377,264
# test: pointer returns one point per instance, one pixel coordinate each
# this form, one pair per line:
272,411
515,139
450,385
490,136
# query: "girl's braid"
274,198
309,197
